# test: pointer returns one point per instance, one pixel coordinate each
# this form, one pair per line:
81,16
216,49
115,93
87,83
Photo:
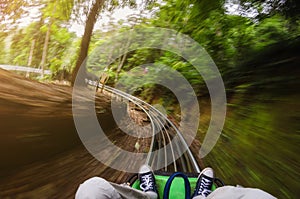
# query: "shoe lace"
205,186
147,182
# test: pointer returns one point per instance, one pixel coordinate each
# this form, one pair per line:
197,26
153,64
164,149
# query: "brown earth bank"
41,153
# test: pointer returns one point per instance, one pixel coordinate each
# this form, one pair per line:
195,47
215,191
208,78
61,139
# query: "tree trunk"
45,50
85,42
31,53
123,58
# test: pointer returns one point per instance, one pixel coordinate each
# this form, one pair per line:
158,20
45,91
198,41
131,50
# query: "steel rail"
165,133
158,124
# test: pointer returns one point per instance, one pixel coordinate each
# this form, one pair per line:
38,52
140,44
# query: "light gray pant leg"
199,197
128,192
239,193
99,188
96,188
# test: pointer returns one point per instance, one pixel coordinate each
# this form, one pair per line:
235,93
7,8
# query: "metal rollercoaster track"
164,142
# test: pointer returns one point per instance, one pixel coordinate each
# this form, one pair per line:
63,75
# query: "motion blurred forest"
254,44
232,32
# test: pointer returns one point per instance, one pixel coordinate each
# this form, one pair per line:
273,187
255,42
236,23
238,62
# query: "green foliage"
59,10
2,51
61,39
258,144
61,53
229,39
270,31
19,48
31,39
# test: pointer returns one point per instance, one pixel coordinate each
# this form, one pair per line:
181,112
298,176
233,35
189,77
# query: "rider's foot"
204,183
147,181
